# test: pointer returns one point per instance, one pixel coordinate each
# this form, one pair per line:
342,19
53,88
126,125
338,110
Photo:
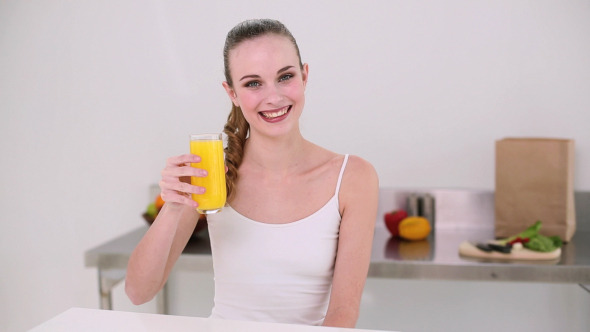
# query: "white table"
94,320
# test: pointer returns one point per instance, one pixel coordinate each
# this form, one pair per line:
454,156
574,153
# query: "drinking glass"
210,148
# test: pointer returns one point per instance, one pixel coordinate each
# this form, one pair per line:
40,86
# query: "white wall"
95,95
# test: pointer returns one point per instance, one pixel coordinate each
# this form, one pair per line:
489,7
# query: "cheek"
247,100
295,92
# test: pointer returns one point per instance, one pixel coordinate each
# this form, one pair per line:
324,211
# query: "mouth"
275,115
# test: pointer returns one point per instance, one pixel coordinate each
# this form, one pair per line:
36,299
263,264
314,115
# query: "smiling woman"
270,94
270,88
293,243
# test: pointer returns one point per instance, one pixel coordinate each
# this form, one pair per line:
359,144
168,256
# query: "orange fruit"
159,202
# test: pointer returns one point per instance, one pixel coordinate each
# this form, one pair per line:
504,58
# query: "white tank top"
275,272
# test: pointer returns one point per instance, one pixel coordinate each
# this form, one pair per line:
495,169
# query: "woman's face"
268,84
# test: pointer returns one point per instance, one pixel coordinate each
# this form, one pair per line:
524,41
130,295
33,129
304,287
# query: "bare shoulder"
360,184
359,166
359,172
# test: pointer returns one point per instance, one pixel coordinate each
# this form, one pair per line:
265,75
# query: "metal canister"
427,208
412,205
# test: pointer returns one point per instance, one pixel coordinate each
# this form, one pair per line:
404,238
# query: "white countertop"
91,320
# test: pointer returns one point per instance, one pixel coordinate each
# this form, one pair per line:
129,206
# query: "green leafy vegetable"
556,241
526,234
537,242
540,243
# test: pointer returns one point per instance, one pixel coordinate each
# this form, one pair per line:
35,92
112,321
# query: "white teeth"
272,115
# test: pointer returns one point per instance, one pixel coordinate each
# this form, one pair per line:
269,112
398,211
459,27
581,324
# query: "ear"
305,73
231,93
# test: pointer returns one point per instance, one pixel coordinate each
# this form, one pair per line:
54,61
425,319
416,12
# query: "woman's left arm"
359,195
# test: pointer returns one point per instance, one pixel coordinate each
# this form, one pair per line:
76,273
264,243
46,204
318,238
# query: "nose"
274,95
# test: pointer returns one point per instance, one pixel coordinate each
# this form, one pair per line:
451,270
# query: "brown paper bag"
535,181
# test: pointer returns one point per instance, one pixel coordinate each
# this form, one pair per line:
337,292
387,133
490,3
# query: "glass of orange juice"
210,148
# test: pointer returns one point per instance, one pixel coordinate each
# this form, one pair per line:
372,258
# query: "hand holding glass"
210,148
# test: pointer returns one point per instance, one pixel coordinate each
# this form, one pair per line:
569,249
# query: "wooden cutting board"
468,249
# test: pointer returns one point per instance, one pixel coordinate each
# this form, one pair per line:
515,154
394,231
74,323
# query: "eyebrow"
258,76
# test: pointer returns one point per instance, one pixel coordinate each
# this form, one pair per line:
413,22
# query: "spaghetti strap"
341,173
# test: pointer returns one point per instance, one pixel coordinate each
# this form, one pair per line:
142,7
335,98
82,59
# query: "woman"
293,243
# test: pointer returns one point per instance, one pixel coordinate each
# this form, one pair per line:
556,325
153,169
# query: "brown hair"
237,128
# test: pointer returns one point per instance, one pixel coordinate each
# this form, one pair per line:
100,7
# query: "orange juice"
210,148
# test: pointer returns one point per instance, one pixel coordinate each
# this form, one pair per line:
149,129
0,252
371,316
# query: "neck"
275,154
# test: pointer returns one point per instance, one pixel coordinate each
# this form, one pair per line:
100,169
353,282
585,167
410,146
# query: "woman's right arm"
152,260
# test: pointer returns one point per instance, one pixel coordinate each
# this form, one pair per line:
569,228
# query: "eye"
285,77
252,84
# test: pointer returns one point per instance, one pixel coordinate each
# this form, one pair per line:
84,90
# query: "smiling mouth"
275,114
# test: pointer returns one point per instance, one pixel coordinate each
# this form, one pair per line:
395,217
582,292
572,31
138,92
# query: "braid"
236,130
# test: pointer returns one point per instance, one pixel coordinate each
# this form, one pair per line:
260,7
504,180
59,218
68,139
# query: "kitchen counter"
468,215
461,215
438,258
434,258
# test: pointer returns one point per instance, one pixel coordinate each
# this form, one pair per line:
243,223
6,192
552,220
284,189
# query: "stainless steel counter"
461,215
438,258
435,258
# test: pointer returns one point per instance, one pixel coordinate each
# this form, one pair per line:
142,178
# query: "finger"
181,187
175,171
190,202
173,197
183,159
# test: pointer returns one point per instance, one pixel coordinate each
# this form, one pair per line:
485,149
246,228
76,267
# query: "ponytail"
236,129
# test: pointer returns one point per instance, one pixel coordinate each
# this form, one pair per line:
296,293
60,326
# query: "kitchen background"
95,95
